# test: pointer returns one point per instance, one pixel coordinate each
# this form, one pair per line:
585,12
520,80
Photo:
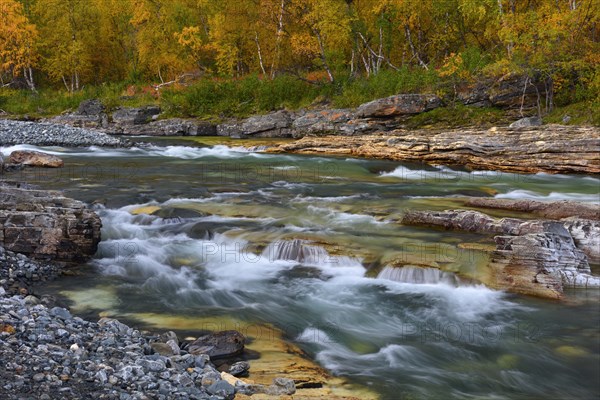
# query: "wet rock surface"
46,225
534,257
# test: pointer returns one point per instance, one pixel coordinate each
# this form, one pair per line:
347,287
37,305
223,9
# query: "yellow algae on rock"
144,210
277,358
571,351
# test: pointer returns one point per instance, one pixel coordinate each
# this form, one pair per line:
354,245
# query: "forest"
287,53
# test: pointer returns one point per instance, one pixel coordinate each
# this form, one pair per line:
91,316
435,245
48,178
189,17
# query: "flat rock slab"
551,149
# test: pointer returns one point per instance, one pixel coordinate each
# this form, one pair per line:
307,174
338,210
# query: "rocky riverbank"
550,149
539,257
49,134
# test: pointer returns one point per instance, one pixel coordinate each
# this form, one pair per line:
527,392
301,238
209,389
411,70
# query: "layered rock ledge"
45,225
550,149
534,257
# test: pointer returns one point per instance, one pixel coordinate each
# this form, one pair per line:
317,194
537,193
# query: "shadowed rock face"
551,149
46,225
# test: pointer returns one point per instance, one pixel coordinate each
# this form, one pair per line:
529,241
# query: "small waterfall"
419,275
304,252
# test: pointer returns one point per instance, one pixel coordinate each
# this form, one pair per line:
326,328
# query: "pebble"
45,134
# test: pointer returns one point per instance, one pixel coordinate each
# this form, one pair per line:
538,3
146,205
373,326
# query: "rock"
168,127
134,116
516,91
175,212
550,210
93,107
46,225
220,344
586,234
276,124
538,258
162,348
319,122
549,150
222,389
35,159
240,368
281,387
526,123
399,105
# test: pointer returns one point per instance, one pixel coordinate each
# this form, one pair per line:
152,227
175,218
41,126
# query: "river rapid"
204,230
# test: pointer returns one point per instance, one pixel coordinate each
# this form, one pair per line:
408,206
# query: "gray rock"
222,389
281,387
275,124
93,107
399,105
240,368
134,116
220,344
526,123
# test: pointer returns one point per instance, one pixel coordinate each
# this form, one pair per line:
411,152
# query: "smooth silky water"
306,244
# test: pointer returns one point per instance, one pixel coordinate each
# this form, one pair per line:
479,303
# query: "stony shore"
48,134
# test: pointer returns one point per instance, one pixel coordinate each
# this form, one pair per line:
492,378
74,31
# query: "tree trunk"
260,57
323,56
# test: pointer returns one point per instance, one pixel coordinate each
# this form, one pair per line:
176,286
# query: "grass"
220,99
50,102
581,113
458,116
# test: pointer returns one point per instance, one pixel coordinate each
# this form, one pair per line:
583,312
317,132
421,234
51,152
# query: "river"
301,243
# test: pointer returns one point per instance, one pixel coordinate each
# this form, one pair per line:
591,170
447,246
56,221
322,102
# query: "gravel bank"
44,134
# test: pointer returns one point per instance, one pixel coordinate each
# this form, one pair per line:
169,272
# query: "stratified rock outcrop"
45,225
535,257
550,149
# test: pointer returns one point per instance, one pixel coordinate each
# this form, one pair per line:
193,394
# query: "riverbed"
206,234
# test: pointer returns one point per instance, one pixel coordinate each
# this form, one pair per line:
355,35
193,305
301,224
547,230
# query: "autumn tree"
18,43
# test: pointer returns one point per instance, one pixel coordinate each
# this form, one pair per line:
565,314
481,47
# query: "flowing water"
312,245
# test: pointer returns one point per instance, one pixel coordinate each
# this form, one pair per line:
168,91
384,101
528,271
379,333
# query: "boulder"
134,116
46,225
218,345
35,159
93,107
526,123
325,121
399,105
275,124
